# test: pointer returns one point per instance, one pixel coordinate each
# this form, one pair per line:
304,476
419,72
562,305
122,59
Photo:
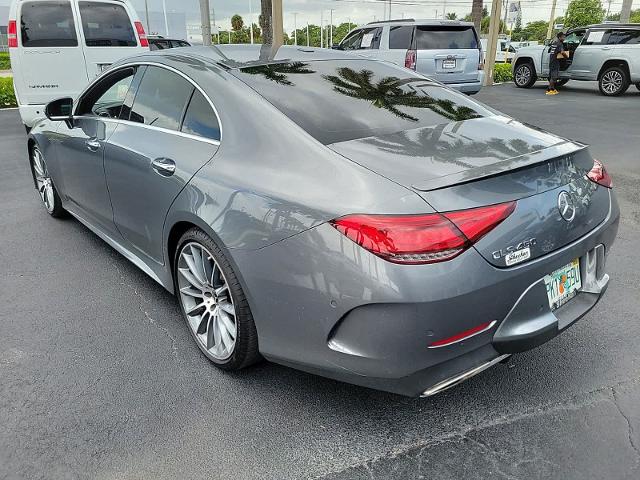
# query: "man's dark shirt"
556,47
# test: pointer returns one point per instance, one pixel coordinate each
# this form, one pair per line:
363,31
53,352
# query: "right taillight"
418,239
410,59
599,174
12,34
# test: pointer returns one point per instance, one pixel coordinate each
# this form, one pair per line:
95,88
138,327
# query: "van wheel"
524,75
613,81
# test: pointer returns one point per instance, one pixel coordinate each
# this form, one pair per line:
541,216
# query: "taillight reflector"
12,34
419,239
141,34
410,59
459,337
599,175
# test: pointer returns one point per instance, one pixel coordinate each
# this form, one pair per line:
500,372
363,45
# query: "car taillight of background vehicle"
12,34
410,59
599,174
141,34
419,239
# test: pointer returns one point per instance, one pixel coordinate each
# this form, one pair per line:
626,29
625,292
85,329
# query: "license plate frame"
563,284
449,64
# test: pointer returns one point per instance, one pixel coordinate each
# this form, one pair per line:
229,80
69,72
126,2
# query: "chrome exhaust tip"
457,379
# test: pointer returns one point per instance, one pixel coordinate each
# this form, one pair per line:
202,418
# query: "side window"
107,97
179,43
159,44
596,37
352,40
365,38
200,118
161,99
624,37
574,38
106,25
400,37
48,24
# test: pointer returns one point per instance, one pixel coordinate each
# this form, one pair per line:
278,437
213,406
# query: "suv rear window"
400,37
48,24
341,100
445,38
106,25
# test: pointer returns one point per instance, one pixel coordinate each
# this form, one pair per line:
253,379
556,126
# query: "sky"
356,11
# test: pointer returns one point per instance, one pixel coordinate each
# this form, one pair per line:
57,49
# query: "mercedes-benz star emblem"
566,207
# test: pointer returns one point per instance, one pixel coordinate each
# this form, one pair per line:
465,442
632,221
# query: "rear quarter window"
106,25
400,37
445,38
47,24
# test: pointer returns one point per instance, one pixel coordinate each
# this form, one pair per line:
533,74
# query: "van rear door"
109,33
448,53
50,60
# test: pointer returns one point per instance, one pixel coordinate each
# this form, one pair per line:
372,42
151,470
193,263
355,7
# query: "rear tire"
213,303
524,75
614,81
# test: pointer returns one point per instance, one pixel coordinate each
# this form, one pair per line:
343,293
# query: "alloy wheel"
43,180
207,301
523,75
612,81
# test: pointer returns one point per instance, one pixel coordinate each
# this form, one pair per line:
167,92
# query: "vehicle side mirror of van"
60,109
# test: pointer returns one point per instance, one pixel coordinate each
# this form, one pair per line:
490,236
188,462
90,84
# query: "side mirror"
60,109
336,46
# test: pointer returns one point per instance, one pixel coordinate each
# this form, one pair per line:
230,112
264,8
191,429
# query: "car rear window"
48,24
106,25
341,100
445,38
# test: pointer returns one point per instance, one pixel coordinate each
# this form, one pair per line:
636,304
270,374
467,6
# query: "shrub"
5,63
502,73
7,96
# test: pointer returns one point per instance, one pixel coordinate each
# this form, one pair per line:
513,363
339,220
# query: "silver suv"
608,53
447,51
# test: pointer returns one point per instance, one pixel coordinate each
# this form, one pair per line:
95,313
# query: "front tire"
44,184
213,303
614,81
524,75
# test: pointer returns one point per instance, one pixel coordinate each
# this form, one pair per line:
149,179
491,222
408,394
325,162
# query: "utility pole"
551,20
251,21
321,25
492,42
307,34
205,21
505,5
625,13
276,22
330,42
389,9
444,10
146,12
295,28
166,21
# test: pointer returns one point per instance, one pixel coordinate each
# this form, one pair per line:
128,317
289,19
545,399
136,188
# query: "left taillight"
419,239
12,34
598,174
144,42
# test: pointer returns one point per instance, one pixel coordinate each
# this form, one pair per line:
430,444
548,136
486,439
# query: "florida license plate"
448,64
563,284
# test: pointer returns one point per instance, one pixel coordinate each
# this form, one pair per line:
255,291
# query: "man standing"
557,53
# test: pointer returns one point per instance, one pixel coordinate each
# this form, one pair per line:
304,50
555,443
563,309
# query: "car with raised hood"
608,53
58,46
344,216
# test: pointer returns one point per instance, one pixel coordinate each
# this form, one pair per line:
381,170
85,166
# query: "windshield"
341,100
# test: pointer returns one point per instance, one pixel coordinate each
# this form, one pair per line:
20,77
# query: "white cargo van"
57,46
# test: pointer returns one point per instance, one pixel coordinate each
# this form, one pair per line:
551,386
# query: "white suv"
448,51
58,46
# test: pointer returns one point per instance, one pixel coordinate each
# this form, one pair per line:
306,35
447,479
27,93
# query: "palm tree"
388,93
237,23
476,14
278,72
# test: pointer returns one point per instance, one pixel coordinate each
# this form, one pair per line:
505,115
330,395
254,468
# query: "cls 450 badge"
515,253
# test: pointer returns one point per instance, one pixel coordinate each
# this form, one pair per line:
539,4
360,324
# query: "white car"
58,46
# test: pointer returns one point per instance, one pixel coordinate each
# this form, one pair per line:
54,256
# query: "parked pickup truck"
608,53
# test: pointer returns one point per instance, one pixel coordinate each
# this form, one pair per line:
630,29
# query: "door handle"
93,144
164,166
605,48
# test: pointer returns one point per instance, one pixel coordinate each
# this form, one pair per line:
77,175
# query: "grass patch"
5,62
7,96
502,73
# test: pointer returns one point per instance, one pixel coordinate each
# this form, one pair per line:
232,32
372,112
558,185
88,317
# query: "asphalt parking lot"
99,377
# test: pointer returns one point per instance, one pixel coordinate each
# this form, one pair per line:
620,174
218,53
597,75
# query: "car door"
590,54
167,134
81,146
400,39
571,44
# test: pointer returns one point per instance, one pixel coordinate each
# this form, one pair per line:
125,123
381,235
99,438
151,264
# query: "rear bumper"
468,87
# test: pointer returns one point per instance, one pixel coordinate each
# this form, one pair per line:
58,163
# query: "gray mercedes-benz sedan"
344,216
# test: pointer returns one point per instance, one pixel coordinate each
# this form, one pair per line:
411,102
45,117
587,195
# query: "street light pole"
251,21
330,42
146,11
205,21
551,20
166,22
321,32
295,28
307,34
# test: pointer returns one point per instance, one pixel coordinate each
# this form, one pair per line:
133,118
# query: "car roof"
230,56
427,22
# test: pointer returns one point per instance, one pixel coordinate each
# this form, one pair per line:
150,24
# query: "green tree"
484,26
581,13
236,23
535,31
